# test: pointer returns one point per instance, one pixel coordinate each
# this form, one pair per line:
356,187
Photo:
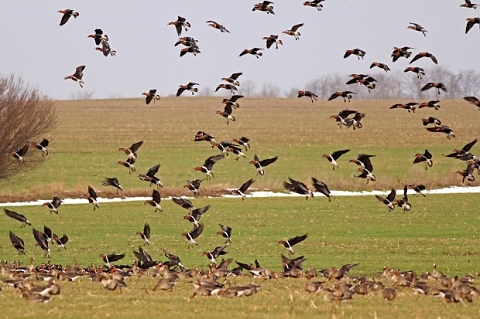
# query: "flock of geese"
170,271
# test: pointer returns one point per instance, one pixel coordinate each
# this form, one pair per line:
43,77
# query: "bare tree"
247,88
291,93
269,90
82,95
25,114
400,85
469,82
206,91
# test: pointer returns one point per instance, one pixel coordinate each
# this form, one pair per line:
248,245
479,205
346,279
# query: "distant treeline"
391,85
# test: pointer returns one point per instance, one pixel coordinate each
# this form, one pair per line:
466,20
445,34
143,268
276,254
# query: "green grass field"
440,229
84,144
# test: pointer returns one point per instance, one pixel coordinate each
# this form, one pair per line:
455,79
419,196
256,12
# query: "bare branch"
25,115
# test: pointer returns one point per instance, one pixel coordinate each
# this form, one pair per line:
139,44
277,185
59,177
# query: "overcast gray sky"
43,53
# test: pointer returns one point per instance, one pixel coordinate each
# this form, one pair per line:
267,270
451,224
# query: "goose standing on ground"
67,13
207,166
260,164
332,158
155,201
151,95
289,243
389,294
425,158
241,191
77,76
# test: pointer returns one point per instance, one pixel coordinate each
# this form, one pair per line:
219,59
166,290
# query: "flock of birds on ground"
206,283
